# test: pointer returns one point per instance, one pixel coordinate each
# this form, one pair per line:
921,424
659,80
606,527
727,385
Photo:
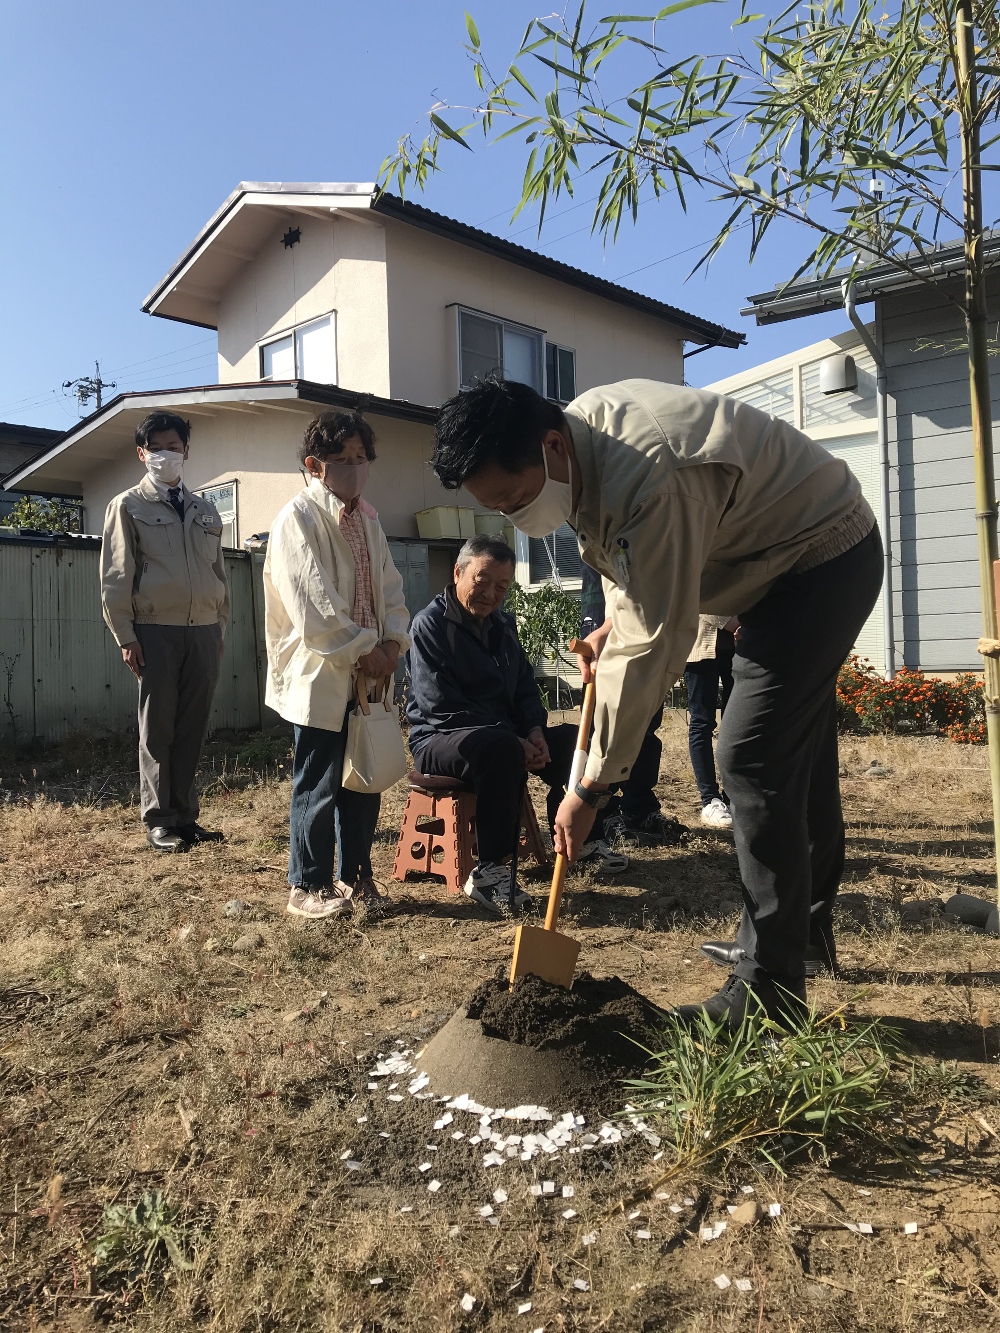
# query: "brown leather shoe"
165,840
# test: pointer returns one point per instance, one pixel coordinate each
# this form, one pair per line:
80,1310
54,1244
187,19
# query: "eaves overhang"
74,454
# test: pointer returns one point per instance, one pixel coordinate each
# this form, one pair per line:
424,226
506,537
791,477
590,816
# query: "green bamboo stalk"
979,384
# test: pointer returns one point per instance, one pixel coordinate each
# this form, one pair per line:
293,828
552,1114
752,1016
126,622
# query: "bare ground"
147,1042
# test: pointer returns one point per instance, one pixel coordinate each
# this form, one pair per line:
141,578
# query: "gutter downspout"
885,518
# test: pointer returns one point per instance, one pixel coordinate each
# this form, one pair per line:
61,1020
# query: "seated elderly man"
476,715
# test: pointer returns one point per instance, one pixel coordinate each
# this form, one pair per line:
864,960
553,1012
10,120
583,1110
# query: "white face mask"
550,508
164,465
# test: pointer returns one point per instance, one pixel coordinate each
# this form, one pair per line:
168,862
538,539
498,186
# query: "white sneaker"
489,884
716,814
600,856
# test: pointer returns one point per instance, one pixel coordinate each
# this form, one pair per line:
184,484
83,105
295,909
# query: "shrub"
911,702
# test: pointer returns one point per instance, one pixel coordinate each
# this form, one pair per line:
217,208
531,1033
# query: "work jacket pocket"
158,535
207,532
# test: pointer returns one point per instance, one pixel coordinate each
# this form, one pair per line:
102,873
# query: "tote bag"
374,758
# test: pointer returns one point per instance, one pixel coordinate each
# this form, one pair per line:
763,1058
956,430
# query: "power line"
89,386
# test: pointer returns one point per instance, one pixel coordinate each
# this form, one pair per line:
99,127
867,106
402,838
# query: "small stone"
247,942
234,909
746,1214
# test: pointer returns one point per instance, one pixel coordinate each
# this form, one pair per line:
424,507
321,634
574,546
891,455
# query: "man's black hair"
157,422
327,434
496,421
486,544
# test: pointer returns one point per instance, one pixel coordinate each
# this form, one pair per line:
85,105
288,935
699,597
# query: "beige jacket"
313,645
703,649
157,570
691,502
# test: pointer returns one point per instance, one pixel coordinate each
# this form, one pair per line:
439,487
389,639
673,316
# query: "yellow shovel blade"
544,953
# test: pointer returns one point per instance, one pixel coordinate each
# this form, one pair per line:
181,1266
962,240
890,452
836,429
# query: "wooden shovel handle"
582,741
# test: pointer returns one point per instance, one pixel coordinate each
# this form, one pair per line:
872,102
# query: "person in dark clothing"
709,666
476,715
634,814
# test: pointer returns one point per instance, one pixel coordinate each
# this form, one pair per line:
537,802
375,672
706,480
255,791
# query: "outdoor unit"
838,374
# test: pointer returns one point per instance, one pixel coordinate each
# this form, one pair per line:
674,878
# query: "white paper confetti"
468,1303
910,1229
675,1208
774,1210
689,1202
433,1186
424,1166
746,1189
548,1187
362,1120
865,1229
535,1190
644,1235
406,1208
486,1210
743,1284
590,1238
568,1191
500,1196
375,1281
865,1194
581,1285
525,1308
569,1213
352,1165
722,1282
633,1216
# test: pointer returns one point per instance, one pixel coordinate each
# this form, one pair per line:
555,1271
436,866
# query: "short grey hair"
495,548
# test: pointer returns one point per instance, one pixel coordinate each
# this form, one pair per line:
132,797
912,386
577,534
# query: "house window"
306,353
224,499
560,373
562,549
490,346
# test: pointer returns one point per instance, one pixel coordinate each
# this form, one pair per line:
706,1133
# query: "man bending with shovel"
687,502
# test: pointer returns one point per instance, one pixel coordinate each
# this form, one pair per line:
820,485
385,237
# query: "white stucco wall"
257,448
338,265
428,274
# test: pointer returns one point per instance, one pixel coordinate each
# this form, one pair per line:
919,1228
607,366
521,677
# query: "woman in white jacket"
334,611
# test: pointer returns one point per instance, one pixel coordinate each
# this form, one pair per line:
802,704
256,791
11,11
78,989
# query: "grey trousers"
777,755
175,700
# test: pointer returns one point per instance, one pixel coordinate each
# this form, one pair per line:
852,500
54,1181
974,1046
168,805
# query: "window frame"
516,327
203,493
292,332
522,572
557,348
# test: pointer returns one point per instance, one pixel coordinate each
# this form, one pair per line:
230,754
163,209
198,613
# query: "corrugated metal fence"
61,670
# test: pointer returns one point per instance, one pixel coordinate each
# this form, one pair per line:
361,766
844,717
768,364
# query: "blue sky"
126,125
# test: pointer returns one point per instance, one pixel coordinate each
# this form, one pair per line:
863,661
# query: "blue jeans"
324,813
702,680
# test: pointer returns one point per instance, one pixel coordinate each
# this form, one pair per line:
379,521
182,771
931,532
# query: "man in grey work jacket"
687,502
166,601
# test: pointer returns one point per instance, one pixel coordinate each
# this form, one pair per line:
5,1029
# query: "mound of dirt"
541,1044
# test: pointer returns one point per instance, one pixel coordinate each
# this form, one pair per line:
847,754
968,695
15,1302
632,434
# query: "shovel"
542,950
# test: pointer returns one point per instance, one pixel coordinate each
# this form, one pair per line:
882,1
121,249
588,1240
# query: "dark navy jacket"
459,678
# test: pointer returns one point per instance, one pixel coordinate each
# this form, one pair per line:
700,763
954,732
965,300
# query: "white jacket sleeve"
318,613
654,614
396,618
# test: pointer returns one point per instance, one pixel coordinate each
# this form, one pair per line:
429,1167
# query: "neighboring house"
843,422
18,446
324,295
935,596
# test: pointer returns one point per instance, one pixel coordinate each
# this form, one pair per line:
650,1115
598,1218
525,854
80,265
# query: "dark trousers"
777,755
176,687
702,680
325,815
492,762
637,800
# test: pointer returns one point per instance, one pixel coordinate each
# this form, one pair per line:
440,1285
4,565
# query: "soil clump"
541,1044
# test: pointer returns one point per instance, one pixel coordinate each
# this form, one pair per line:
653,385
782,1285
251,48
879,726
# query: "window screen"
825,409
563,546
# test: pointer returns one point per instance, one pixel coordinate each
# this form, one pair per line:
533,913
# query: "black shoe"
656,830
166,840
192,833
820,958
785,1005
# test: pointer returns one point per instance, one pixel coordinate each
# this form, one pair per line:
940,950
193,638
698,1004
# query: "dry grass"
142,1050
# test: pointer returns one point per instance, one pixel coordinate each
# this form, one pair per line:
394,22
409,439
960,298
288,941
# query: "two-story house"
328,295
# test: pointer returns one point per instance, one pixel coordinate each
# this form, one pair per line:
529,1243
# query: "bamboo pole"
979,383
